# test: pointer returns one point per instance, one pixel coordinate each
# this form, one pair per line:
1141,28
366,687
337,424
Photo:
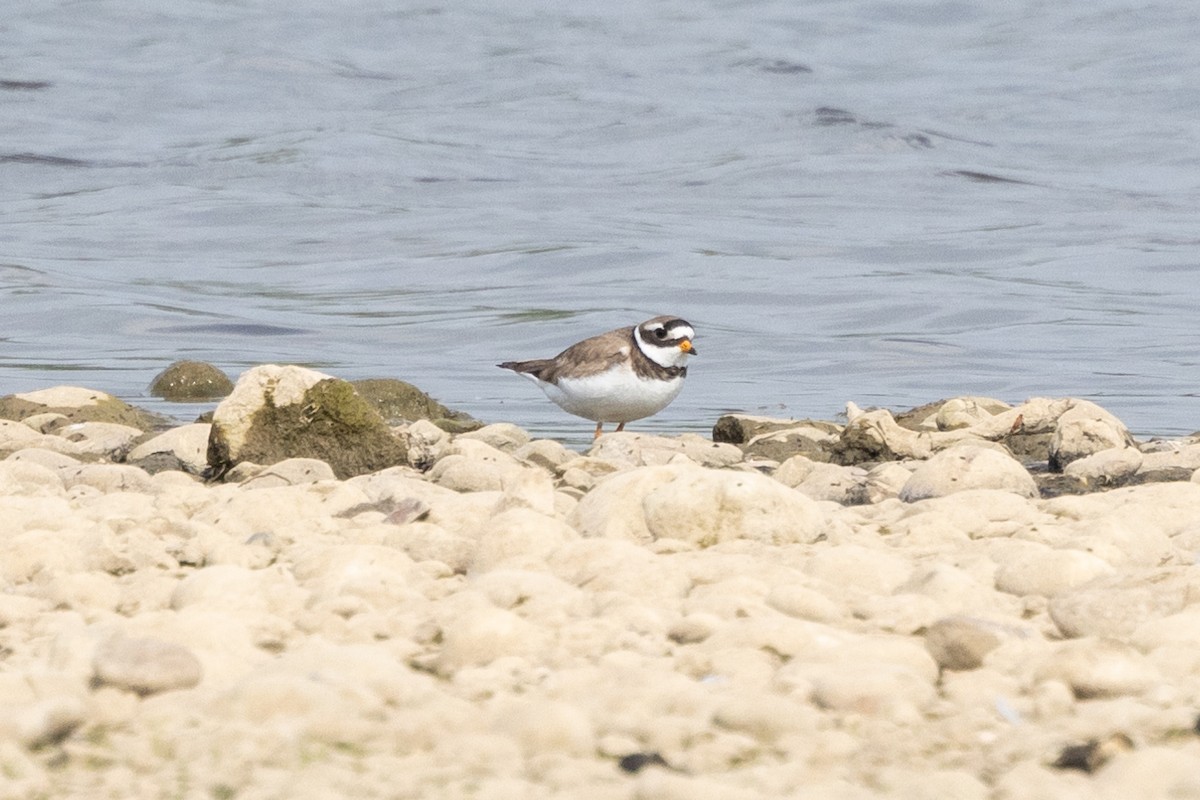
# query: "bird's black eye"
660,333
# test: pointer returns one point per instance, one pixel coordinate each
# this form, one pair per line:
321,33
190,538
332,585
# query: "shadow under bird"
619,376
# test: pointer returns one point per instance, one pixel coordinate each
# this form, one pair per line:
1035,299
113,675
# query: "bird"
620,376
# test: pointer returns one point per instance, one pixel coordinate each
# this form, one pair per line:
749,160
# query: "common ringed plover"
619,376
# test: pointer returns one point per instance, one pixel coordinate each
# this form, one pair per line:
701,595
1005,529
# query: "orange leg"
599,427
620,427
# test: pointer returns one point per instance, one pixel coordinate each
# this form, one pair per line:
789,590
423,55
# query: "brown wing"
589,357
534,367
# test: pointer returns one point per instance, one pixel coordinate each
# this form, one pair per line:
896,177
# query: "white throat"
668,356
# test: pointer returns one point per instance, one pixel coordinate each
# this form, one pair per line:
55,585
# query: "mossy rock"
190,381
78,404
398,401
317,417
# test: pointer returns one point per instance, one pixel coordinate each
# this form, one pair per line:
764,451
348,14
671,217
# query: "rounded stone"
542,726
501,435
871,689
1083,430
961,643
822,481
1106,467
1045,571
1099,668
963,412
968,467
291,472
640,449
145,666
107,477
27,477
1116,605
764,716
475,466
697,505
480,636
106,439
187,443
190,381
544,453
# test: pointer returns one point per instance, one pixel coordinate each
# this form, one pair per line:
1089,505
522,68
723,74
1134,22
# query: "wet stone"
276,413
190,381
398,401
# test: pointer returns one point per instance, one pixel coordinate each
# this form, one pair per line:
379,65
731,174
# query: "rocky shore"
319,594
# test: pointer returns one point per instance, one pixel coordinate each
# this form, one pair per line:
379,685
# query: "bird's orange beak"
687,347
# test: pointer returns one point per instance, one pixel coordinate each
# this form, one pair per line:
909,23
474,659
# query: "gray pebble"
145,666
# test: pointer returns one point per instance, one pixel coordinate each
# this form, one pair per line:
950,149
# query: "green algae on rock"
188,381
77,404
398,401
278,412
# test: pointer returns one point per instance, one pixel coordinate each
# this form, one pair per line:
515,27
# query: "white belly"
617,395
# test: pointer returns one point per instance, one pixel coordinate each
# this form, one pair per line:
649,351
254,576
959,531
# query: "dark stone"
1092,755
775,439
1056,485
860,444
399,402
915,419
1028,446
189,381
1163,475
741,428
1052,484
162,462
783,445
636,762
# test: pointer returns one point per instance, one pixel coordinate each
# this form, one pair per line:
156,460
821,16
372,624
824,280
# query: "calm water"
886,202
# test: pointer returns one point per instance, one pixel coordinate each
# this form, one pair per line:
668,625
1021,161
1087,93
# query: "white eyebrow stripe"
683,331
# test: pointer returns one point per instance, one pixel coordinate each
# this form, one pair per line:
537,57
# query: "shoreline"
501,616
